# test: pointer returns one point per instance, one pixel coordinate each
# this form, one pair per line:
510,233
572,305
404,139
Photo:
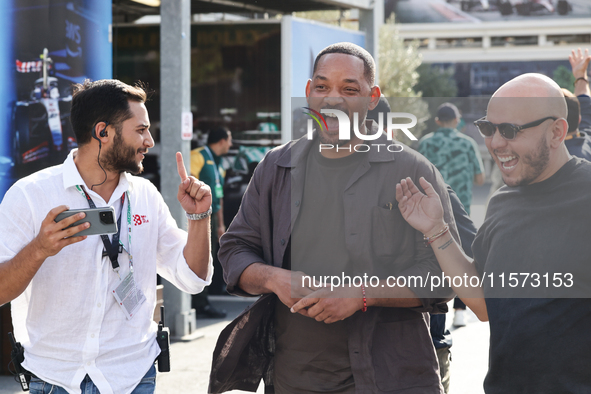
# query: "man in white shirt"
63,287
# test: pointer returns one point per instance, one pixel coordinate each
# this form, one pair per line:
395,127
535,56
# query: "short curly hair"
348,48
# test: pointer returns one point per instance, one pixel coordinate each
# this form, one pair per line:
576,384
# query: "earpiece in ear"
103,132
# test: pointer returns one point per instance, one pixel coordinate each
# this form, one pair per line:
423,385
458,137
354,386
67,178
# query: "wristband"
581,78
441,235
364,309
429,240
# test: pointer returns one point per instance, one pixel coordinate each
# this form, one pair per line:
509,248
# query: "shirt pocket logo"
138,220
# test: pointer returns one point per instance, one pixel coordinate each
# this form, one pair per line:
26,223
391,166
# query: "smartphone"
102,220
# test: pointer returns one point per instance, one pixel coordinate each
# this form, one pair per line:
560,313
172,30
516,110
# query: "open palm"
579,62
423,212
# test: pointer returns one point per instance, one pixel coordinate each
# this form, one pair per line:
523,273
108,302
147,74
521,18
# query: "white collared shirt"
67,320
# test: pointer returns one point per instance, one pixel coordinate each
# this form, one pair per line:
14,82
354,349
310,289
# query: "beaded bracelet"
429,240
364,309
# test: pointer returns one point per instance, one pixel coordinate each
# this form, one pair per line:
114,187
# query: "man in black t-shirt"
532,251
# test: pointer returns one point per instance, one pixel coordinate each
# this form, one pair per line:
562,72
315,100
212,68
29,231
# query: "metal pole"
175,96
286,76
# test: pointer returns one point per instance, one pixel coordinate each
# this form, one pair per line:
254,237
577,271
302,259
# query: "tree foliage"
436,82
437,87
564,78
398,62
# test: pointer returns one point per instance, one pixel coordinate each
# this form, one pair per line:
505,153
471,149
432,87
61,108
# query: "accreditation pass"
128,296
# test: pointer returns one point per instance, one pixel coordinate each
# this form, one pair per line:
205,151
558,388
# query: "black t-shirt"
311,356
539,345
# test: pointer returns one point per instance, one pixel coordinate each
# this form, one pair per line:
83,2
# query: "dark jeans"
459,304
146,386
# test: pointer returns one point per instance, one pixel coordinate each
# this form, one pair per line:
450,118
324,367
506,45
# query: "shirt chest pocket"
141,228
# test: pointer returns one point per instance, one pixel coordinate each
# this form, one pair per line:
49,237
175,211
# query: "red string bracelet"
364,309
429,240
439,236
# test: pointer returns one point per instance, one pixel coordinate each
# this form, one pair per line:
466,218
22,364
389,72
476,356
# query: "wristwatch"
199,216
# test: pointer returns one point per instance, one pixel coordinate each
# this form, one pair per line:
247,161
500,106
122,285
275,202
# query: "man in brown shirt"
318,207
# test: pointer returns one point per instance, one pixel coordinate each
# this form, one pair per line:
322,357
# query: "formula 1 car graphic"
525,7
41,126
467,5
521,7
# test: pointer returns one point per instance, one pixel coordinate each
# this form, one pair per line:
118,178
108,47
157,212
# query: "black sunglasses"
507,130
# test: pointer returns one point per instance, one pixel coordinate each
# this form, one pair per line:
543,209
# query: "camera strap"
113,247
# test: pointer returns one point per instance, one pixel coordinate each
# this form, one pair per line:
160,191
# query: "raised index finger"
180,166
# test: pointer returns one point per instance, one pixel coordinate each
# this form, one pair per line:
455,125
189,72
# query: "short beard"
121,157
536,163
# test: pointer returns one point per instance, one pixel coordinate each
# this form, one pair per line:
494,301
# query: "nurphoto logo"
345,128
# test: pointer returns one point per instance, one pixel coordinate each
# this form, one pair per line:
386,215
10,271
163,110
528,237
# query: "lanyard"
115,246
215,167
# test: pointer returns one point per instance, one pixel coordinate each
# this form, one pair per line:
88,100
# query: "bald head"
537,151
545,96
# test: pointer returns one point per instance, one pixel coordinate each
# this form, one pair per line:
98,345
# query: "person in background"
206,165
458,159
577,142
455,155
578,138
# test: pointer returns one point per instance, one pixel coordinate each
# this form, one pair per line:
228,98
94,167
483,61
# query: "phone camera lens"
106,217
